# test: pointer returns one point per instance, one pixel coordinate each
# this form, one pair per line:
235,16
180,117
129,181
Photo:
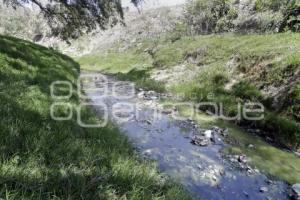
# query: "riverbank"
233,68
230,69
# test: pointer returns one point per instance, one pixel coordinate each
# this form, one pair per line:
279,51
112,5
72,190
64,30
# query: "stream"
202,170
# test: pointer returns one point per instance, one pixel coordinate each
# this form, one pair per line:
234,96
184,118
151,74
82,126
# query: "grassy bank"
127,66
45,159
251,65
234,68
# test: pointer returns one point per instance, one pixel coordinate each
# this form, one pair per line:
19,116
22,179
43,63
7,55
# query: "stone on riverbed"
141,95
220,131
167,111
148,95
208,134
263,189
200,141
242,159
296,191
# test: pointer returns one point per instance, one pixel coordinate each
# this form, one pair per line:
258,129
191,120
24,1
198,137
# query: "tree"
73,18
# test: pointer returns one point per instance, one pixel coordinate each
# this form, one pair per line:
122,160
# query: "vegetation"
73,19
258,68
142,79
128,66
113,61
202,17
293,102
46,159
209,16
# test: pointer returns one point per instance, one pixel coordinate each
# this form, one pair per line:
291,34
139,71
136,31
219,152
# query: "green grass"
113,61
128,66
142,79
45,159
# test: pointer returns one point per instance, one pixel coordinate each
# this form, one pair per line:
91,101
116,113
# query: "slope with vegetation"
46,159
226,68
257,68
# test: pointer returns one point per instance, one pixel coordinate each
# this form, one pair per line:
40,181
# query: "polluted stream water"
190,155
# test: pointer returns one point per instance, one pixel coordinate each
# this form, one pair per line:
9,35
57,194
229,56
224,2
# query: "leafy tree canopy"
73,18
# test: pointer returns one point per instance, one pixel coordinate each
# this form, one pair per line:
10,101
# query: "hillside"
28,24
46,159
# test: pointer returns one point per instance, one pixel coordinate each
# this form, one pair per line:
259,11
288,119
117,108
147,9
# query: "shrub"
247,91
274,5
293,102
287,130
202,16
289,8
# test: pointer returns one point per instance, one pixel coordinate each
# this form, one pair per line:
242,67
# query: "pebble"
214,178
141,95
263,189
222,172
242,159
208,134
167,111
200,141
246,194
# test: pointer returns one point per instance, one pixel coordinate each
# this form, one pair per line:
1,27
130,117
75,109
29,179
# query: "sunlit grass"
114,61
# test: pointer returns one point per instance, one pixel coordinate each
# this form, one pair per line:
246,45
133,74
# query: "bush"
289,8
274,5
247,91
293,102
202,16
287,130
216,16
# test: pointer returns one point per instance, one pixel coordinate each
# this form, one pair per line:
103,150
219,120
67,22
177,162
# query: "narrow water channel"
201,170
